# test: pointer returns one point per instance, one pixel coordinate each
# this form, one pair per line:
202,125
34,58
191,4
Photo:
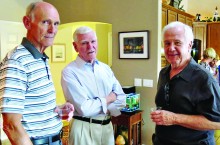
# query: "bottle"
215,16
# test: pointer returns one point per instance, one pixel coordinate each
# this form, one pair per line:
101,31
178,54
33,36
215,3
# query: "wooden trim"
177,10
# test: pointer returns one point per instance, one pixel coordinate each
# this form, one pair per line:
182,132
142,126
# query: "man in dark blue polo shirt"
187,92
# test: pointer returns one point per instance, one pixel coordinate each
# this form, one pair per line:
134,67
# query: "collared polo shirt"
26,88
193,91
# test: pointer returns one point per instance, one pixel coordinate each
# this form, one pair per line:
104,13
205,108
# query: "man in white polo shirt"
27,94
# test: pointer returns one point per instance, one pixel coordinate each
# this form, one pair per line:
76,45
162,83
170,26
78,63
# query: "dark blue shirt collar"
185,74
30,47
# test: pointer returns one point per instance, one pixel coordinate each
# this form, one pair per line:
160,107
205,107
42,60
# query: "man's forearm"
17,136
14,130
111,98
197,122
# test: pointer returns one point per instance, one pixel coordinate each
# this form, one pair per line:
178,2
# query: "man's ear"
27,22
75,46
191,44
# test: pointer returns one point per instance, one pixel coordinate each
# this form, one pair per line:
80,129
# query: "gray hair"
82,30
187,29
30,9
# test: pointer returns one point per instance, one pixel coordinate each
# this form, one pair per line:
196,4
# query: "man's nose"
89,45
51,28
172,47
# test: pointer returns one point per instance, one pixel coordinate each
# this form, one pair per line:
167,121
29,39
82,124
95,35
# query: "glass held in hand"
155,108
64,113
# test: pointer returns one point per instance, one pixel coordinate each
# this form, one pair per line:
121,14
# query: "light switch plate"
137,82
147,83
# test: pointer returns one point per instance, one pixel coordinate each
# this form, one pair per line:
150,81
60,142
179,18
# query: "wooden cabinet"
213,36
209,34
164,15
170,14
189,21
133,122
182,18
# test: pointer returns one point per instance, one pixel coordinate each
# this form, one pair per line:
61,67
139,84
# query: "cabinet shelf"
133,121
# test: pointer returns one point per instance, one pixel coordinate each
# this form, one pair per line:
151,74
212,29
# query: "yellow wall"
14,10
64,36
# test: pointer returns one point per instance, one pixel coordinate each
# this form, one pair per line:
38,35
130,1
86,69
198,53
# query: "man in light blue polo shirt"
27,94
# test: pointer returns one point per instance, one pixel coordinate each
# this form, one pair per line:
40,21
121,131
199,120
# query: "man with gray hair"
27,94
92,88
187,92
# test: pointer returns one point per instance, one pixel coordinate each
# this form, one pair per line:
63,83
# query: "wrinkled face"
43,27
176,48
86,46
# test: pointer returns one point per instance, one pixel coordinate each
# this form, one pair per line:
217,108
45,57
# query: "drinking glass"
155,108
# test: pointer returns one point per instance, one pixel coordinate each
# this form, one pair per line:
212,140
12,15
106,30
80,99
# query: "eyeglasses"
167,93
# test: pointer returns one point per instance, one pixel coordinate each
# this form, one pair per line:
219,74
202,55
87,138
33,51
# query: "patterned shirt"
26,88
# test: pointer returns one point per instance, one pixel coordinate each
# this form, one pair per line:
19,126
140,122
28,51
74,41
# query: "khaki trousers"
85,133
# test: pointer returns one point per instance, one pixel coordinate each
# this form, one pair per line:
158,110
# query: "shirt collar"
82,63
186,73
30,47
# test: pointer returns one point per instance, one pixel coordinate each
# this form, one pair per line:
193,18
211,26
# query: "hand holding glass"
65,112
155,108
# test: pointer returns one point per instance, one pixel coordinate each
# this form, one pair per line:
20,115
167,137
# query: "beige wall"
184,3
204,7
14,10
124,15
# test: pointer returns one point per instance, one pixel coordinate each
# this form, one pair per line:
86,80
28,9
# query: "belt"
46,140
90,120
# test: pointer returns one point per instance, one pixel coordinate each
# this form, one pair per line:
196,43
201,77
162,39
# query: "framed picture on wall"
58,53
134,45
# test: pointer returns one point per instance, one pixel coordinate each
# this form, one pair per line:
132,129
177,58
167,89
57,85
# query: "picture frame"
134,44
58,53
